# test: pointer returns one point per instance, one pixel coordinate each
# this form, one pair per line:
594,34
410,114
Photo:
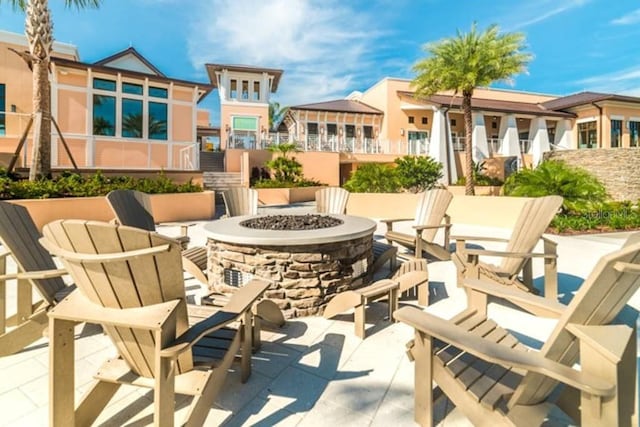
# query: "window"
453,122
350,131
157,120
131,118
368,131
634,133
332,129
3,108
104,84
104,115
616,133
587,135
132,88
233,89
256,91
158,92
494,125
412,119
245,132
312,128
245,89
425,120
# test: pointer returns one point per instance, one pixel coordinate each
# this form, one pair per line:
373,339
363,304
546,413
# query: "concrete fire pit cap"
229,230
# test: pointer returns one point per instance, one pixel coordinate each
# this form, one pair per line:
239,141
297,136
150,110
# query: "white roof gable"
130,62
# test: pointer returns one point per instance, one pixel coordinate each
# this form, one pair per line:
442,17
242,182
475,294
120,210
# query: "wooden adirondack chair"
130,281
133,208
240,201
535,217
409,275
495,380
36,270
430,212
332,200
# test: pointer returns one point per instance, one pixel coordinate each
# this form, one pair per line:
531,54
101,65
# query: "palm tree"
39,31
465,62
275,114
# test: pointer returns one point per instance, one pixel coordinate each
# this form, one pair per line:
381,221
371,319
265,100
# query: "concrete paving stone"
321,360
14,405
296,389
400,391
37,348
127,406
21,373
273,358
389,414
36,418
361,394
235,395
262,412
326,413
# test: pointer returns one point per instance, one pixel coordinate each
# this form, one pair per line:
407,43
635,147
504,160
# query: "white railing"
418,147
494,145
458,143
190,157
525,144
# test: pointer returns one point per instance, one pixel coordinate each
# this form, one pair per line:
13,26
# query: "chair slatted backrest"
332,200
132,208
534,218
19,235
431,209
240,201
136,282
598,301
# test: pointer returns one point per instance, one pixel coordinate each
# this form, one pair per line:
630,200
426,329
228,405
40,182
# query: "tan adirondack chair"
240,201
130,281
36,270
133,208
535,217
495,380
430,213
332,200
410,275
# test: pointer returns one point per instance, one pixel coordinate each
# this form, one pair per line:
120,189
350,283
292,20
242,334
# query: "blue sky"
329,48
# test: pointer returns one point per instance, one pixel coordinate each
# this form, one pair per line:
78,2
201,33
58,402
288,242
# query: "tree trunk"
469,189
41,150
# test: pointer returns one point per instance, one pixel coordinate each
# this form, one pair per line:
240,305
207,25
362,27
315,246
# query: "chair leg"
61,373
423,294
247,346
24,334
94,401
423,394
358,317
393,303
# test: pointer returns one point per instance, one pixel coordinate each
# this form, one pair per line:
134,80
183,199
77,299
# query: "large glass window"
3,109
634,134
157,120
588,135
233,89
158,92
256,91
616,133
332,129
245,89
104,84
104,115
312,128
131,118
368,131
132,88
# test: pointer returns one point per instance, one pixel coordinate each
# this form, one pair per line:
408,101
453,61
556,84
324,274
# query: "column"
440,133
480,149
509,136
539,139
563,134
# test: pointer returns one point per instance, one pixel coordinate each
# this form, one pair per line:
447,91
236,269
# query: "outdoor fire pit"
307,258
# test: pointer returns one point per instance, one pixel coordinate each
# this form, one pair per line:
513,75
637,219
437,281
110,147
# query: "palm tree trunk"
468,143
39,30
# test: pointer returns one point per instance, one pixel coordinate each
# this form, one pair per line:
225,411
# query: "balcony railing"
494,145
458,143
525,145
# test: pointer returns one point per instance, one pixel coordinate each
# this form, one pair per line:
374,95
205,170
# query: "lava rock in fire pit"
291,222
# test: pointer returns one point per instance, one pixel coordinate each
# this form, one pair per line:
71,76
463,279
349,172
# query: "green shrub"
606,216
479,177
418,173
373,178
273,183
285,168
581,190
74,185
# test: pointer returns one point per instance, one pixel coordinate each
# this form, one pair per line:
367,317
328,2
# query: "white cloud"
625,81
541,11
628,19
322,45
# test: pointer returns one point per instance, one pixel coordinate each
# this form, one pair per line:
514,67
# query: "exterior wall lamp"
227,128
401,131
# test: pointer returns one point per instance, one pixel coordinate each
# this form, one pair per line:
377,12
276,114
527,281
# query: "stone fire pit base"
304,277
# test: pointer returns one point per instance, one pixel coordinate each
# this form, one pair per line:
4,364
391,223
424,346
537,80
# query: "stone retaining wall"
304,278
617,168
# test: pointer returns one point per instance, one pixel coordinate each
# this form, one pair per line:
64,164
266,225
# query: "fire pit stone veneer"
306,267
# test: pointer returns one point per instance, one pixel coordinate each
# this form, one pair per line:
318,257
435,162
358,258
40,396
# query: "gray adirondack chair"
534,218
36,270
430,214
332,200
130,281
495,380
240,201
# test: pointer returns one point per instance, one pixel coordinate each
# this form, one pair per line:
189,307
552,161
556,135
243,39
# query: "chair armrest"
495,353
480,238
390,221
76,307
532,303
35,275
105,257
427,227
239,303
177,224
506,254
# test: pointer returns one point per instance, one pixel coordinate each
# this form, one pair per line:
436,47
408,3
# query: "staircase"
218,181
212,161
